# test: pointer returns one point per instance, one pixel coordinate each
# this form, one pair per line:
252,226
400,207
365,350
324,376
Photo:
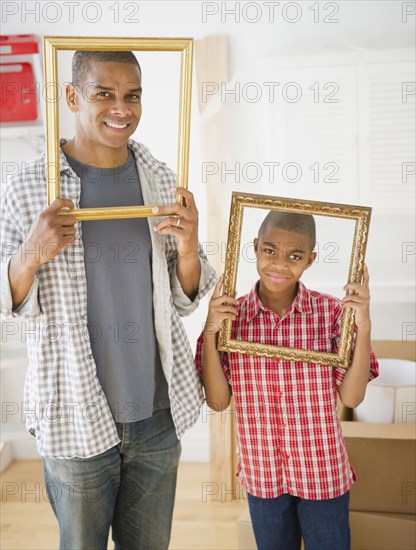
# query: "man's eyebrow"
110,88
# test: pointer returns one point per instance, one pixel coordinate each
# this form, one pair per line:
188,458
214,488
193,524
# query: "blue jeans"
280,523
130,487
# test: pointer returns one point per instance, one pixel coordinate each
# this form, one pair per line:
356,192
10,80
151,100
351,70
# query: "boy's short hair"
82,61
291,221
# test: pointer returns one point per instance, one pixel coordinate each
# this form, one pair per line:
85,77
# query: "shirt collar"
302,302
303,299
65,166
63,161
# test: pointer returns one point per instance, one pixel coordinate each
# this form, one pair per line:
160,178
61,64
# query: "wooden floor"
28,523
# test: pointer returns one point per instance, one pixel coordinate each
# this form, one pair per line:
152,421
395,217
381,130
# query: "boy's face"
282,257
107,104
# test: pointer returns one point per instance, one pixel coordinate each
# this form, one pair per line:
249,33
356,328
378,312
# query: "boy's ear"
256,245
312,258
71,97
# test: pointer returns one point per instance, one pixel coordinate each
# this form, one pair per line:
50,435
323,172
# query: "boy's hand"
220,307
359,300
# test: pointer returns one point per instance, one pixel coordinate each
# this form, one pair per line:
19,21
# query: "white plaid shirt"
65,406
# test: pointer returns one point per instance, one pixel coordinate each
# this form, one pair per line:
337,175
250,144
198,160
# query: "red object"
18,44
17,80
307,458
18,92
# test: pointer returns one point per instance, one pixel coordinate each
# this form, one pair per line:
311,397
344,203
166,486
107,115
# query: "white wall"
255,38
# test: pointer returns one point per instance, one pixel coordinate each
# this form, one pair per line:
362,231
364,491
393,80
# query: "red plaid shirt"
289,435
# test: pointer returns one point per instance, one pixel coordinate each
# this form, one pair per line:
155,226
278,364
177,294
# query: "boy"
293,460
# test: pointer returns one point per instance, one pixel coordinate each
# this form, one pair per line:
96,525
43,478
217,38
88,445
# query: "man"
111,385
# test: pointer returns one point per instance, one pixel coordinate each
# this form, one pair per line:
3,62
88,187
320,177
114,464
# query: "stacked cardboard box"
382,501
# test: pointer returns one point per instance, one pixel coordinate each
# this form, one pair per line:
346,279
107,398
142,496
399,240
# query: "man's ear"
71,98
312,258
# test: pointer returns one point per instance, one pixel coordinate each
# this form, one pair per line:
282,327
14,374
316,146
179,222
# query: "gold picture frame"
53,44
360,214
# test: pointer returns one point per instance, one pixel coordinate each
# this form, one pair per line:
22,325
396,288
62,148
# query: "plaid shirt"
289,435
65,406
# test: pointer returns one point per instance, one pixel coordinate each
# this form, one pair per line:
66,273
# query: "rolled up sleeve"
29,308
11,239
341,372
184,305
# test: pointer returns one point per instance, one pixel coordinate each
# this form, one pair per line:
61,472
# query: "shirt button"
75,195
283,426
85,316
91,356
279,394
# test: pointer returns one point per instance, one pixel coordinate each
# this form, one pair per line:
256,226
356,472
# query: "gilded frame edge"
361,214
53,44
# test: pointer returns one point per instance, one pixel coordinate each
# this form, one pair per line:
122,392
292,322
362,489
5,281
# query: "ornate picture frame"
51,46
360,214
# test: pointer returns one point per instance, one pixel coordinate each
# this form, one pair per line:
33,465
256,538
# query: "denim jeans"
130,487
280,523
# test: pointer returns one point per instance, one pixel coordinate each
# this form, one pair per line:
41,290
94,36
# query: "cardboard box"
384,458
374,531
383,455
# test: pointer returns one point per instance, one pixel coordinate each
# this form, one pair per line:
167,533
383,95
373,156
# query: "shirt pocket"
316,413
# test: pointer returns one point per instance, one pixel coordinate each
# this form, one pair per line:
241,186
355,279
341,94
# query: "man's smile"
117,126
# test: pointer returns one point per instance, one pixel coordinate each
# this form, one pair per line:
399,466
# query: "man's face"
282,257
108,104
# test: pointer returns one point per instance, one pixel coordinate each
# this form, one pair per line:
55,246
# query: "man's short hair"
82,61
291,221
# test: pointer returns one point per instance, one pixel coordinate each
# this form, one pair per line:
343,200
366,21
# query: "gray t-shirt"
118,263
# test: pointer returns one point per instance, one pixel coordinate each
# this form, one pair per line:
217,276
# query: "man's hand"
183,224
359,300
49,234
220,307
